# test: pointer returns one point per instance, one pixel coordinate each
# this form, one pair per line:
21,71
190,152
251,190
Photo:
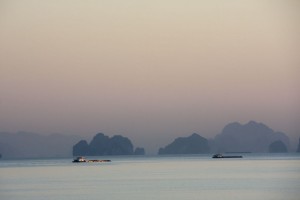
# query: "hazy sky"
149,70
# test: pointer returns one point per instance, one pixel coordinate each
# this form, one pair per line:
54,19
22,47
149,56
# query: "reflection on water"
174,177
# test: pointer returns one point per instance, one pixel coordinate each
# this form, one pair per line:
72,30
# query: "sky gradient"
149,70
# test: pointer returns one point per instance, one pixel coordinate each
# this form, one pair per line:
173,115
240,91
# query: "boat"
222,156
79,159
83,160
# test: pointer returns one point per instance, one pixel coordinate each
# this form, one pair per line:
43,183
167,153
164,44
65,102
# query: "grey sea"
269,176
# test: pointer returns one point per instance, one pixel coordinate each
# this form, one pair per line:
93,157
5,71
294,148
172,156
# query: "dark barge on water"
83,160
222,156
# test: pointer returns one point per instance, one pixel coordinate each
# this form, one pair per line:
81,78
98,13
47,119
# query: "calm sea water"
271,176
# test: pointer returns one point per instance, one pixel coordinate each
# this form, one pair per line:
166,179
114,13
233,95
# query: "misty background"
149,70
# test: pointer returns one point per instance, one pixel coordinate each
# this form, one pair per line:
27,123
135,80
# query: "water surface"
271,176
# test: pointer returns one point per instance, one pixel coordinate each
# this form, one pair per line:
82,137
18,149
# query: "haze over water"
149,70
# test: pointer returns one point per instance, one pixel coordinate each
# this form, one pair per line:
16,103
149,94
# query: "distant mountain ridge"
250,137
193,144
235,137
277,147
33,145
104,145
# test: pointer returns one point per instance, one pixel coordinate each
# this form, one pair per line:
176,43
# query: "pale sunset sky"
149,70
